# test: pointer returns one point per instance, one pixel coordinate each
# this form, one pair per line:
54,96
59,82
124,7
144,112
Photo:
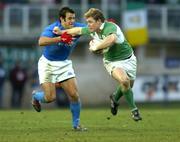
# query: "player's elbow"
40,42
113,39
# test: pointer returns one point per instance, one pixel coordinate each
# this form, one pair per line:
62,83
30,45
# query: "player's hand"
95,50
92,48
66,38
56,30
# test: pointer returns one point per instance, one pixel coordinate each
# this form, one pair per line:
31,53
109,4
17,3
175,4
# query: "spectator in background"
18,78
2,78
1,5
33,76
61,97
165,87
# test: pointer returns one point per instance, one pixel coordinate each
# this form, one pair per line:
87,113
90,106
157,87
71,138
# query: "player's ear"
62,19
99,21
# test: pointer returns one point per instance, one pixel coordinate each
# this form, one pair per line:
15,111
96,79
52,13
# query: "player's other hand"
66,38
96,51
92,48
56,30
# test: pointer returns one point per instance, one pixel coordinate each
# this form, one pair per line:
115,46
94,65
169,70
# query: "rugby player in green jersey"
118,57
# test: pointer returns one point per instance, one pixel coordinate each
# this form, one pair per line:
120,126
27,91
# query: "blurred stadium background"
152,27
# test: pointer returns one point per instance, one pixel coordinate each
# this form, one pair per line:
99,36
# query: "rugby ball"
95,42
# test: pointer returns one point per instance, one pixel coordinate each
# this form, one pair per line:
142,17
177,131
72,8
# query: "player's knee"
125,85
74,96
50,98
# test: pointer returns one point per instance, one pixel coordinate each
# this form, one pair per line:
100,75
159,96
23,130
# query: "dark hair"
64,10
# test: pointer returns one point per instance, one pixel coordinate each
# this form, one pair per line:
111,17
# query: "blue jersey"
59,51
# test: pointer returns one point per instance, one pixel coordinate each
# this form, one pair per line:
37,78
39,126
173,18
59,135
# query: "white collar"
102,26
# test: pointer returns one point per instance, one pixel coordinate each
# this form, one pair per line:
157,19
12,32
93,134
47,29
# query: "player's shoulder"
110,27
52,25
78,24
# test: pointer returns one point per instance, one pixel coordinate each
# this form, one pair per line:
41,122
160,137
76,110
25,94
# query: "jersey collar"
102,26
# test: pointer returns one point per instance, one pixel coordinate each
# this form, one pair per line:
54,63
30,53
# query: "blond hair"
95,13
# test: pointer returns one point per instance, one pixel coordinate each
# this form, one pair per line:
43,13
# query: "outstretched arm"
44,41
73,31
64,38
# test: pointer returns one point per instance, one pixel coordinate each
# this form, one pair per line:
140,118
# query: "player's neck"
65,26
98,30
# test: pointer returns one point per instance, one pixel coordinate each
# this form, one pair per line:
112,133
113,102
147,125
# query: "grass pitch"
158,125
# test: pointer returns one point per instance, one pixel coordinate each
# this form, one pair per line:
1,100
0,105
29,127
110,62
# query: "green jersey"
118,51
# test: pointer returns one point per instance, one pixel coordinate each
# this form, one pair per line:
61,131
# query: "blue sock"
39,96
75,110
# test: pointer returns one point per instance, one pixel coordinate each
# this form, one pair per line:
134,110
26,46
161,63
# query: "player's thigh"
49,89
70,87
120,75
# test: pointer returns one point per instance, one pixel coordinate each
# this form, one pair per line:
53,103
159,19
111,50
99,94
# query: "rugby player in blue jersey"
54,66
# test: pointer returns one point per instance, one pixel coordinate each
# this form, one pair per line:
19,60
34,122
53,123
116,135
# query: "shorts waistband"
128,57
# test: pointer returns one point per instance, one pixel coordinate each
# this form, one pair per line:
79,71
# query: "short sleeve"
47,33
85,31
111,30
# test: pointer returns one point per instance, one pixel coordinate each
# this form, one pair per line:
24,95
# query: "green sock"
129,98
118,94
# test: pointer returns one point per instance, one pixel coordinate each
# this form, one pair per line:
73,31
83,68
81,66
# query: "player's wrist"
66,38
58,39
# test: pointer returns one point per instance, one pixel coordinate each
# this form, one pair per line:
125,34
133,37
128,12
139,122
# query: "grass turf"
158,125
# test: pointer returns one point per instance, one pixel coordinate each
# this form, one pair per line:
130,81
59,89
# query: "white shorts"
54,71
129,65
